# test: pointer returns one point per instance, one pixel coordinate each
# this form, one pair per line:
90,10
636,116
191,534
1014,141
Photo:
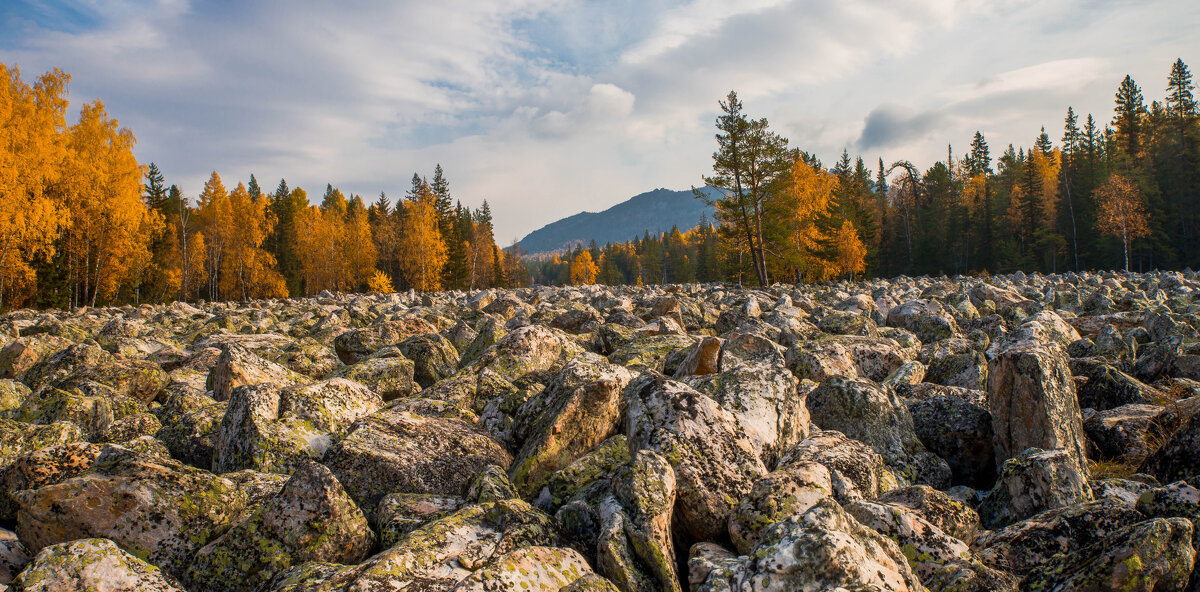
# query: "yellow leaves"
584,269
110,231
803,206
32,151
1045,174
380,283
1122,213
851,253
421,248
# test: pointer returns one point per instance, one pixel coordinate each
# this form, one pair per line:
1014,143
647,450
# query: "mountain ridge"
653,211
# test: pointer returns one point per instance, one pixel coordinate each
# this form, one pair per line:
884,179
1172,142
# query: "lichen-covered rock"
12,395
960,432
398,451
19,355
597,464
18,438
578,411
271,429
436,556
86,362
1152,555
779,495
401,513
651,352
152,507
646,489
532,568
1124,433
1031,396
1104,387
820,359
1024,546
433,355
1178,457
238,366
951,516
955,362
928,319
823,549
43,467
1033,482
765,399
310,519
389,377
528,349
357,344
715,462
874,415
91,564
129,428
856,471
188,420
13,556
93,407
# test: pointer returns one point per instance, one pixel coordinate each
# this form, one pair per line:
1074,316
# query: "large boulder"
271,429
1031,396
856,471
154,508
92,564
779,495
928,319
390,377
436,556
1178,457
765,399
1033,482
433,355
715,462
960,432
188,420
85,362
872,414
357,344
399,451
18,438
1152,555
824,548
310,519
578,411
238,366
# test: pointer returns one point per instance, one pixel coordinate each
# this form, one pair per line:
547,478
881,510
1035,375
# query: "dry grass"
1110,469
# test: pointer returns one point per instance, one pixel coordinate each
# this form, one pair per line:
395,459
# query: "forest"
1118,195
82,222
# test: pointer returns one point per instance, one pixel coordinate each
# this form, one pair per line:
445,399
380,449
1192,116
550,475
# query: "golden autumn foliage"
248,271
583,269
380,283
32,148
851,253
801,207
109,228
1122,213
421,248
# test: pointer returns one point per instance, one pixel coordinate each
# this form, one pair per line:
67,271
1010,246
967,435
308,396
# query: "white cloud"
549,107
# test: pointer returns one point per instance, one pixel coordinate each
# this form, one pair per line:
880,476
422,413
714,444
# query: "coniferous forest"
82,222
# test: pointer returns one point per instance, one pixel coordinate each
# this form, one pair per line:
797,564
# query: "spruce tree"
156,193
1128,118
253,189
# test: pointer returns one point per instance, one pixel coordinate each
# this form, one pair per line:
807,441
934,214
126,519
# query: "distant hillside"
654,211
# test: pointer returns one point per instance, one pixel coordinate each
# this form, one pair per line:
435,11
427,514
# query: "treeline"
1125,194
79,227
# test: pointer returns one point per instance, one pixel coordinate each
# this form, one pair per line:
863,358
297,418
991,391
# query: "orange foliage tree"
32,148
583,269
1122,213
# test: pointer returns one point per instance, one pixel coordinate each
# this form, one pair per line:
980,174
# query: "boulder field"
1018,432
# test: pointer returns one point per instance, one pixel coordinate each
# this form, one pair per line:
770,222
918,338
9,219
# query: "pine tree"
155,192
253,189
1181,103
1130,111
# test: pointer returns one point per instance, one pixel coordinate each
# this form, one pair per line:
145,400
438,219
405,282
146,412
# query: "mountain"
654,211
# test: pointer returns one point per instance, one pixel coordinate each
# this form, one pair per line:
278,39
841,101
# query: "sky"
546,108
